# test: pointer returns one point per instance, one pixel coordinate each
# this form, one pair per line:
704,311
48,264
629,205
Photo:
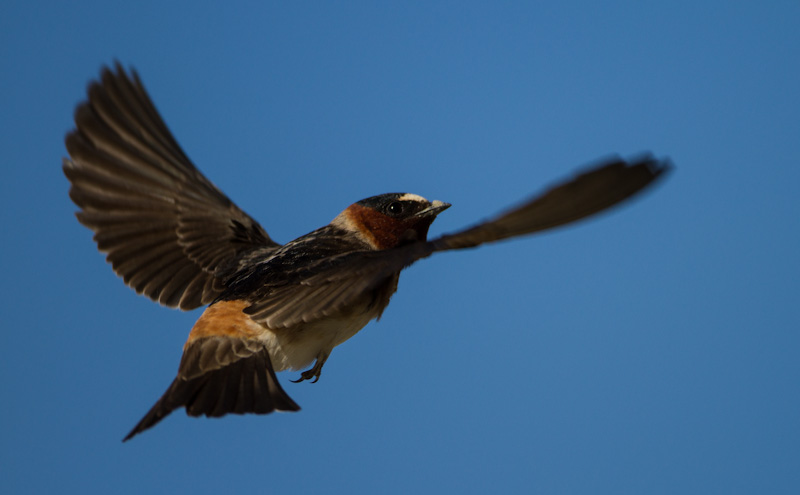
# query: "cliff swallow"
173,236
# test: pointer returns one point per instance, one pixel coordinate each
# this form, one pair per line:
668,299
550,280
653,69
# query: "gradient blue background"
651,350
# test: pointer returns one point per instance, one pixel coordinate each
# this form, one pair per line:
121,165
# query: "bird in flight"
173,236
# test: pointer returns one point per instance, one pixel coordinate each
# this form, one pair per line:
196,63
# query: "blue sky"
653,349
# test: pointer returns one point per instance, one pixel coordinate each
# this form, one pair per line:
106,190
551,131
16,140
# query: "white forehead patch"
413,197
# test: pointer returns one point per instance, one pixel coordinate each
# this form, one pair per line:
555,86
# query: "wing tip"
657,167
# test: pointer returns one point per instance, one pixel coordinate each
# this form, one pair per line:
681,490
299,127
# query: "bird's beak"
434,209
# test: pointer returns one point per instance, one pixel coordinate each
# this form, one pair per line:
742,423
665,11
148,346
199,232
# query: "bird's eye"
394,208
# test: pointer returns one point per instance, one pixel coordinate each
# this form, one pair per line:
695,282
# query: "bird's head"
390,220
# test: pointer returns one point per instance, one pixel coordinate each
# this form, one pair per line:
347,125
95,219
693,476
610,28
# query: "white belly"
298,349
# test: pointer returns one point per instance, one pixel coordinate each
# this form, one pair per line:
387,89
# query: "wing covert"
325,288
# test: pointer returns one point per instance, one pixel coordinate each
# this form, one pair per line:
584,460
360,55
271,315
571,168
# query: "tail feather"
247,385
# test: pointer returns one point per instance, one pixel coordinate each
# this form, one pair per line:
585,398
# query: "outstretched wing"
167,230
321,289
603,186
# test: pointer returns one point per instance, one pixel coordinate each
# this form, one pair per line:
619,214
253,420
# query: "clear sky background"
654,349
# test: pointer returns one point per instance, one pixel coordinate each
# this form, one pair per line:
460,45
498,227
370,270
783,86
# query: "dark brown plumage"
174,237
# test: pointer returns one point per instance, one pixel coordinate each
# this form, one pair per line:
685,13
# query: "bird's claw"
308,375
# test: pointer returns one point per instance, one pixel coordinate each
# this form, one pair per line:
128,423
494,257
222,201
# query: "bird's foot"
309,374
313,373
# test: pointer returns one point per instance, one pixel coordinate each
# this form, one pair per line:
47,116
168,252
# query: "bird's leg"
315,371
